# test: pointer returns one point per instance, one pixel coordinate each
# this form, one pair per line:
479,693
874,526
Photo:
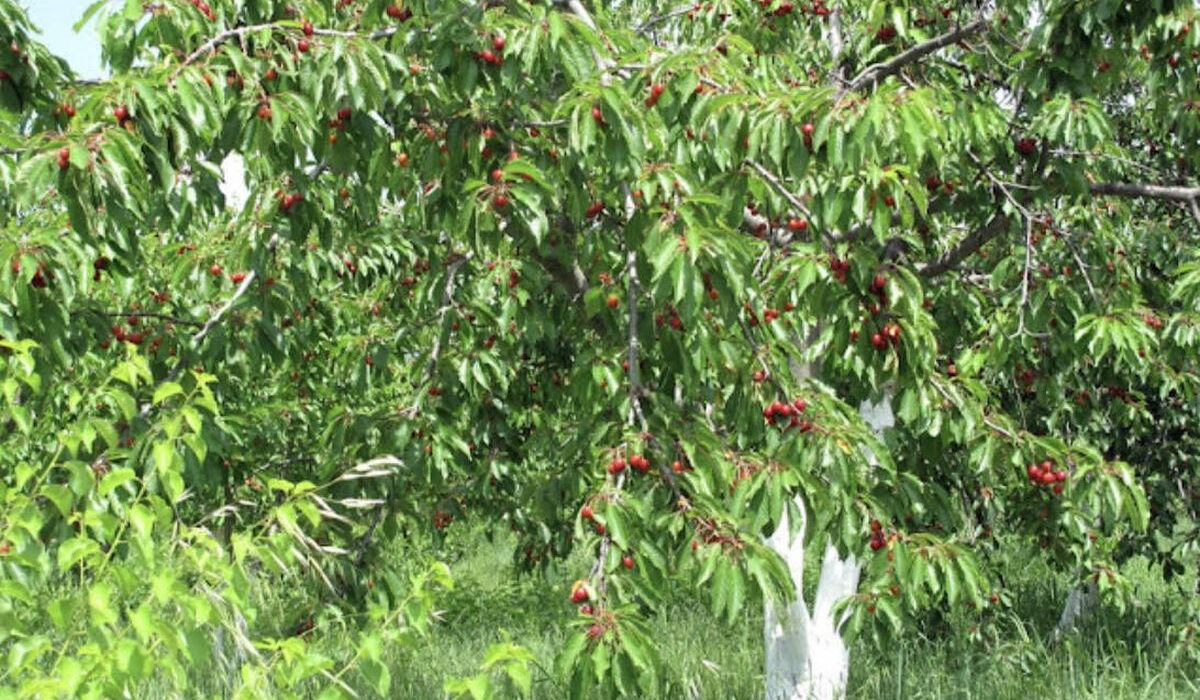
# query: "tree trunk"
1080,602
806,657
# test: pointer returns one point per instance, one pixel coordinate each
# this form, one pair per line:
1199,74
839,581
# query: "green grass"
1116,654
1005,653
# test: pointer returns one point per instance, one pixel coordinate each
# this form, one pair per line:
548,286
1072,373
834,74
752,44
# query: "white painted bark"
1080,602
806,657
233,182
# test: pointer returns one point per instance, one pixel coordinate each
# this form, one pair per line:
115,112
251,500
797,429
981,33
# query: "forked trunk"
806,657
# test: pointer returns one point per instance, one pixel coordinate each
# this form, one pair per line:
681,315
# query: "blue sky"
55,18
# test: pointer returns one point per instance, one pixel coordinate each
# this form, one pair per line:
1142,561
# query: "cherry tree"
705,290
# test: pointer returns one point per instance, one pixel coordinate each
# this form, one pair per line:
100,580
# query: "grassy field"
1117,654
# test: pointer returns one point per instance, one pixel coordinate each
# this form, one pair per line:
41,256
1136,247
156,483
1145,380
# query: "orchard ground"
1006,652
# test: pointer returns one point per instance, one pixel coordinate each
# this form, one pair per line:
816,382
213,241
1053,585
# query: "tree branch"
220,38
1136,191
792,199
876,72
650,23
138,314
447,301
237,32
967,247
1025,275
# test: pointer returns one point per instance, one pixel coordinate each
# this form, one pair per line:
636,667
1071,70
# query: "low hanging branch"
635,416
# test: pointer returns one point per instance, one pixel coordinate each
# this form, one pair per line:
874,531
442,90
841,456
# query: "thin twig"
138,314
1025,276
447,302
650,23
1083,270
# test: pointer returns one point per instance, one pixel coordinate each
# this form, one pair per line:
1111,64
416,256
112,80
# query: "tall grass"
1010,654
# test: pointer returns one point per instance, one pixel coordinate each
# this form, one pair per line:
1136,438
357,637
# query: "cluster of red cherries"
1045,474
787,415
204,8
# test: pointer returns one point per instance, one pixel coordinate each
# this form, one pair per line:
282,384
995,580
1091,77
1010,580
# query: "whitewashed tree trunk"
806,657
1080,602
233,182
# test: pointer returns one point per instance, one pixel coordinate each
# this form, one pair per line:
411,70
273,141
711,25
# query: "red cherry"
344,113
306,27
500,201
597,114
595,632
616,466
215,269
499,43
797,225
585,609
800,405
807,129
586,513
121,113
613,301
497,175
238,277
678,467
579,594
264,112
951,370
303,46
878,341
627,561
1058,489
